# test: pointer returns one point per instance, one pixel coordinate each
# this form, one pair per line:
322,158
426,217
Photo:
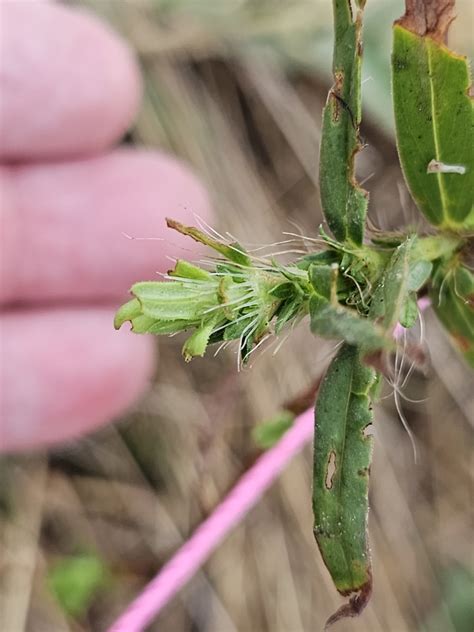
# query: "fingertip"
64,373
70,85
73,217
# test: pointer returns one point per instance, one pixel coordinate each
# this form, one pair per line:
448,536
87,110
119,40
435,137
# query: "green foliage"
268,433
457,589
354,291
75,582
341,323
452,297
344,202
434,119
342,456
396,291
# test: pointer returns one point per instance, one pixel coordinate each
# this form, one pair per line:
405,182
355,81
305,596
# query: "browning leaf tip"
354,607
428,18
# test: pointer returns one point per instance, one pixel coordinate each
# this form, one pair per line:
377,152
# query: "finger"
69,84
64,373
63,224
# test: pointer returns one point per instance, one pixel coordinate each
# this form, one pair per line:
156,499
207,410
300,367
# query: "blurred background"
236,88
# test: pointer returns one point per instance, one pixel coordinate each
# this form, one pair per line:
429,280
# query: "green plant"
75,582
357,286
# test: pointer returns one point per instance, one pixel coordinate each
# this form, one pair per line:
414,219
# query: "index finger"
63,225
70,86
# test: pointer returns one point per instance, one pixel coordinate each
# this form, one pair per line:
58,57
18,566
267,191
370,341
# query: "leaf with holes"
342,457
343,201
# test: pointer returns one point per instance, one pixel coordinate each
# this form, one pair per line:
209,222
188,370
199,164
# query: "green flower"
239,300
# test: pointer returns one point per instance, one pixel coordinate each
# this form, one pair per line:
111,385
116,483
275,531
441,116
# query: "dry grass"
134,491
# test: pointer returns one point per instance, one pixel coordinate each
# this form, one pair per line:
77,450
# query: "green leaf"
283,290
418,275
267,433
455,603
325,257
75,582
146,325
323,278
393,289
434,122
288,310
439,246
337,322
409,312
196,344
128,311
452,297
343,201
342,457
143,324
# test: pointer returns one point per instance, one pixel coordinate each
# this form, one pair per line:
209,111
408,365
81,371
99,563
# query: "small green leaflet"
340,323
452,297
434,119
342,456
77,581
268,433
394,298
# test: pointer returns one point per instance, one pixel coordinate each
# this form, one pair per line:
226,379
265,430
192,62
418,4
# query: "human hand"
70,88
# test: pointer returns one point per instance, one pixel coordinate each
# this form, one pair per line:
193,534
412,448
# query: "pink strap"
207,537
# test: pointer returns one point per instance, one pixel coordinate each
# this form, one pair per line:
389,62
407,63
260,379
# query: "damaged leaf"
342,457
343,201
234,252
428,18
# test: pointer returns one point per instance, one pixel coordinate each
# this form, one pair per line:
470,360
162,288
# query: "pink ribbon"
227,515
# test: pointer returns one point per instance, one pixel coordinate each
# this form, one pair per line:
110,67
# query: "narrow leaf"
343,201
233,252
340,323
342,457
